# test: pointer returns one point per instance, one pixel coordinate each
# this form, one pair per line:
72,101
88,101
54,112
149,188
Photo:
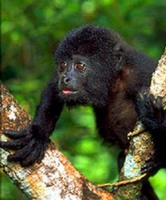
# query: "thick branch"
55,177
158,83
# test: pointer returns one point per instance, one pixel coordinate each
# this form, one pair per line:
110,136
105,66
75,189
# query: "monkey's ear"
119,50
118,46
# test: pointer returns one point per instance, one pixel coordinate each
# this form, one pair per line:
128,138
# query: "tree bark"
55,177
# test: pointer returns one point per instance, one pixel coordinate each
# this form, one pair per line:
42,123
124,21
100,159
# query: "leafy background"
30,34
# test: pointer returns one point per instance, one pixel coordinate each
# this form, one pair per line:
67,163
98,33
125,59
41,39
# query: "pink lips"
67,91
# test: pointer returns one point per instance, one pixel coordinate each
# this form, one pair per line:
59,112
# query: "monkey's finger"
32,158
42,151
22,153
158,103
15,144
29,160
152,164
149,99
36,155
157,108
15,134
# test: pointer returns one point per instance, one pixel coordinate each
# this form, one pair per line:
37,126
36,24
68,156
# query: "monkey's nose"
66,80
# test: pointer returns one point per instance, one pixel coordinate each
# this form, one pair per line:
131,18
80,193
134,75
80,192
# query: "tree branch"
55,177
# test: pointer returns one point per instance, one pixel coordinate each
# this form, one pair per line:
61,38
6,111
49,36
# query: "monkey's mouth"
68,91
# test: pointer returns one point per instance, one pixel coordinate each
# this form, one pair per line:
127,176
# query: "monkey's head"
89,58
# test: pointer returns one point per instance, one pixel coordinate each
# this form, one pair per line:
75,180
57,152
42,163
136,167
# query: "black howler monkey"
95,67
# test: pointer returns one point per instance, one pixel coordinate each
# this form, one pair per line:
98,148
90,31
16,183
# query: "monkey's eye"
80,66
63,66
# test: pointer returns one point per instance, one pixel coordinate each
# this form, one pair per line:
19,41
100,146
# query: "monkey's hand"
152,164
151,112
153,116
28,143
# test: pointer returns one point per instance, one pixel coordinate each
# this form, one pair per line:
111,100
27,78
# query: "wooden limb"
158,82
124,182
55,177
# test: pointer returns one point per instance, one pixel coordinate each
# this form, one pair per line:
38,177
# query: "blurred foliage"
30,32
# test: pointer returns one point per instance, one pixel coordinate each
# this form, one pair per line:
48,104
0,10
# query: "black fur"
95,67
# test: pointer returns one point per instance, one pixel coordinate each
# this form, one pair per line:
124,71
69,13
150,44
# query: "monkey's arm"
31,142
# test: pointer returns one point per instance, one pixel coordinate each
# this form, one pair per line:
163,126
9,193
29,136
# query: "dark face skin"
70,71
76,81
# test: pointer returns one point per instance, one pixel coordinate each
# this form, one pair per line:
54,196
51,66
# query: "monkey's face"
70,73
79,82
72,78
